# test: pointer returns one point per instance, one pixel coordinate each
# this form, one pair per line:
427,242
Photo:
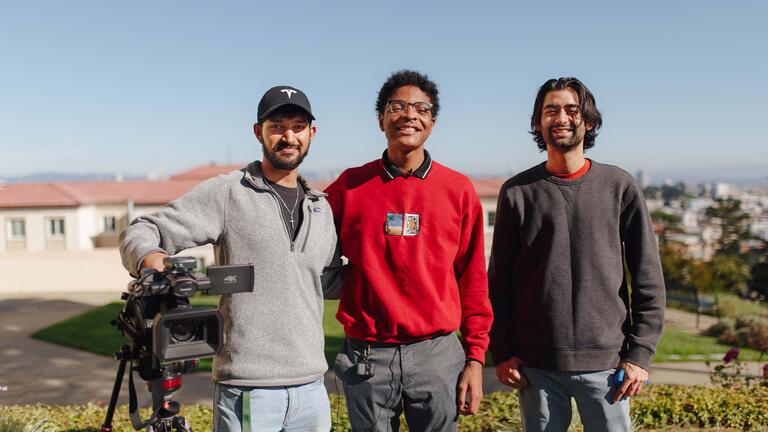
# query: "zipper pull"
292,243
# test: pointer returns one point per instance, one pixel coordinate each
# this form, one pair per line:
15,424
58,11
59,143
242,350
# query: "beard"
280,162
567,143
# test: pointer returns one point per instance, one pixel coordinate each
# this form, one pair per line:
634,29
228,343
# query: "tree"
729,273
759,275
677,268
670,223
734,223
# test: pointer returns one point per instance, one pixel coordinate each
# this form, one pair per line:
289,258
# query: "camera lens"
183,331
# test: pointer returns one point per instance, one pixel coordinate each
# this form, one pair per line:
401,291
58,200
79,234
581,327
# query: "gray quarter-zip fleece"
273,336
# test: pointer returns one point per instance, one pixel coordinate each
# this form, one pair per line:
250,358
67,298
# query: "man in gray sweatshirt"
568,319
269,373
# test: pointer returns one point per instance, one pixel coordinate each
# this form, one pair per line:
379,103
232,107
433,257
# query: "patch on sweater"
399,224
394,224
411,227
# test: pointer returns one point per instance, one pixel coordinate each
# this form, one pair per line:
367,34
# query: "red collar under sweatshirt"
416,257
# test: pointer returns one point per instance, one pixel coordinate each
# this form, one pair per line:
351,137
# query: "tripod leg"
180,424
125,353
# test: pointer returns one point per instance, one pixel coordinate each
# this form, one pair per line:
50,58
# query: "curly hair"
407,78
587,107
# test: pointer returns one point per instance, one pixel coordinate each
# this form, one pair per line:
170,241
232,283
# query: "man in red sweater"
412,230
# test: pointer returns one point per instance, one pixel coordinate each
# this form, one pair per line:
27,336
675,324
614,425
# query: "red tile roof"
143,192
487,187
34,195
82,193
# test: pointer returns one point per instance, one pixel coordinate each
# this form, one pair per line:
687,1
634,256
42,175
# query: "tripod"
165,411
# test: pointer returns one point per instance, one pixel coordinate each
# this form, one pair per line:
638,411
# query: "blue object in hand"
618,377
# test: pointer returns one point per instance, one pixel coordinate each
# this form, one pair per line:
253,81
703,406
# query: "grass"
730,305
93,332
680,346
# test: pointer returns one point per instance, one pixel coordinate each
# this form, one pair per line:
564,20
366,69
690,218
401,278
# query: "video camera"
158,317
168,336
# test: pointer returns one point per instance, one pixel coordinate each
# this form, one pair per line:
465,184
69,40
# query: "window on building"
109,224
56,228
17,229
491,218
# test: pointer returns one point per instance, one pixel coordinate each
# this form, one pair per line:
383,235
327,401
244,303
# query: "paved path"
687,321
33,371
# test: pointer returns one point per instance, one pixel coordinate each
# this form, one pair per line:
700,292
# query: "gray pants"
545,403
419,379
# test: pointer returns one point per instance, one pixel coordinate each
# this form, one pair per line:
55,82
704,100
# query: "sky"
138,87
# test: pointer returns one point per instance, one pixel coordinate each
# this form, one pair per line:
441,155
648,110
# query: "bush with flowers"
733,373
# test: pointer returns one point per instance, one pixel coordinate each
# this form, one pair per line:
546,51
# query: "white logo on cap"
288,92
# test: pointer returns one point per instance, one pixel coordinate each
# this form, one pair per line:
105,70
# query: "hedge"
659,407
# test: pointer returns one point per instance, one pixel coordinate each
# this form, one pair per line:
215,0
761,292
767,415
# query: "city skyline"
143,88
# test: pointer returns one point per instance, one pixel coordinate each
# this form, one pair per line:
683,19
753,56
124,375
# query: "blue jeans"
545,403
291,408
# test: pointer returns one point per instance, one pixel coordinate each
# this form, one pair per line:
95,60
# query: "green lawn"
93,332
679,346
731,305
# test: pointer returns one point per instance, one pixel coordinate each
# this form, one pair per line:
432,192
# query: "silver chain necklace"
295,203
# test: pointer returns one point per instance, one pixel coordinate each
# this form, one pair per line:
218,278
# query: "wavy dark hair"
405,78
587,108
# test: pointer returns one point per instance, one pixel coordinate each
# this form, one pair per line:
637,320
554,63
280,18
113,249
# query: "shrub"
21,424
746,331
663,406
659,406
720,327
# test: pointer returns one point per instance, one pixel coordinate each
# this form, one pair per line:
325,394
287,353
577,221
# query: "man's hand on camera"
153,261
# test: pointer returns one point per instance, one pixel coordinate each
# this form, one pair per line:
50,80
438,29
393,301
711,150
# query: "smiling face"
285,140
407,130
562,125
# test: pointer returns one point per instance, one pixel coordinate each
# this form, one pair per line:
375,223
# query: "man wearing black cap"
269,373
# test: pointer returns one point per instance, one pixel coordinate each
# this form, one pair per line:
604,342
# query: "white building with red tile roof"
64,236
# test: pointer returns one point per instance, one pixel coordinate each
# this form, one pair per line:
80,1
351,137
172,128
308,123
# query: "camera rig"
167,336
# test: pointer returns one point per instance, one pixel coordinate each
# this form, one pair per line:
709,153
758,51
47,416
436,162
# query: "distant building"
643,178
721,190
759,227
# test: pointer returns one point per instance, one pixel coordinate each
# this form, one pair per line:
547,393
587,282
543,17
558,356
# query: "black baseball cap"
280,96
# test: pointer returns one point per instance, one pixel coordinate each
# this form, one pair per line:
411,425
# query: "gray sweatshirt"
557,284
274,335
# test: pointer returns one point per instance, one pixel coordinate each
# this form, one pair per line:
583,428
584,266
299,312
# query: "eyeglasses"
397,106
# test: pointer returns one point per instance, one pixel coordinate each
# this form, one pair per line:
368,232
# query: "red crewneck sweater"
416,257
